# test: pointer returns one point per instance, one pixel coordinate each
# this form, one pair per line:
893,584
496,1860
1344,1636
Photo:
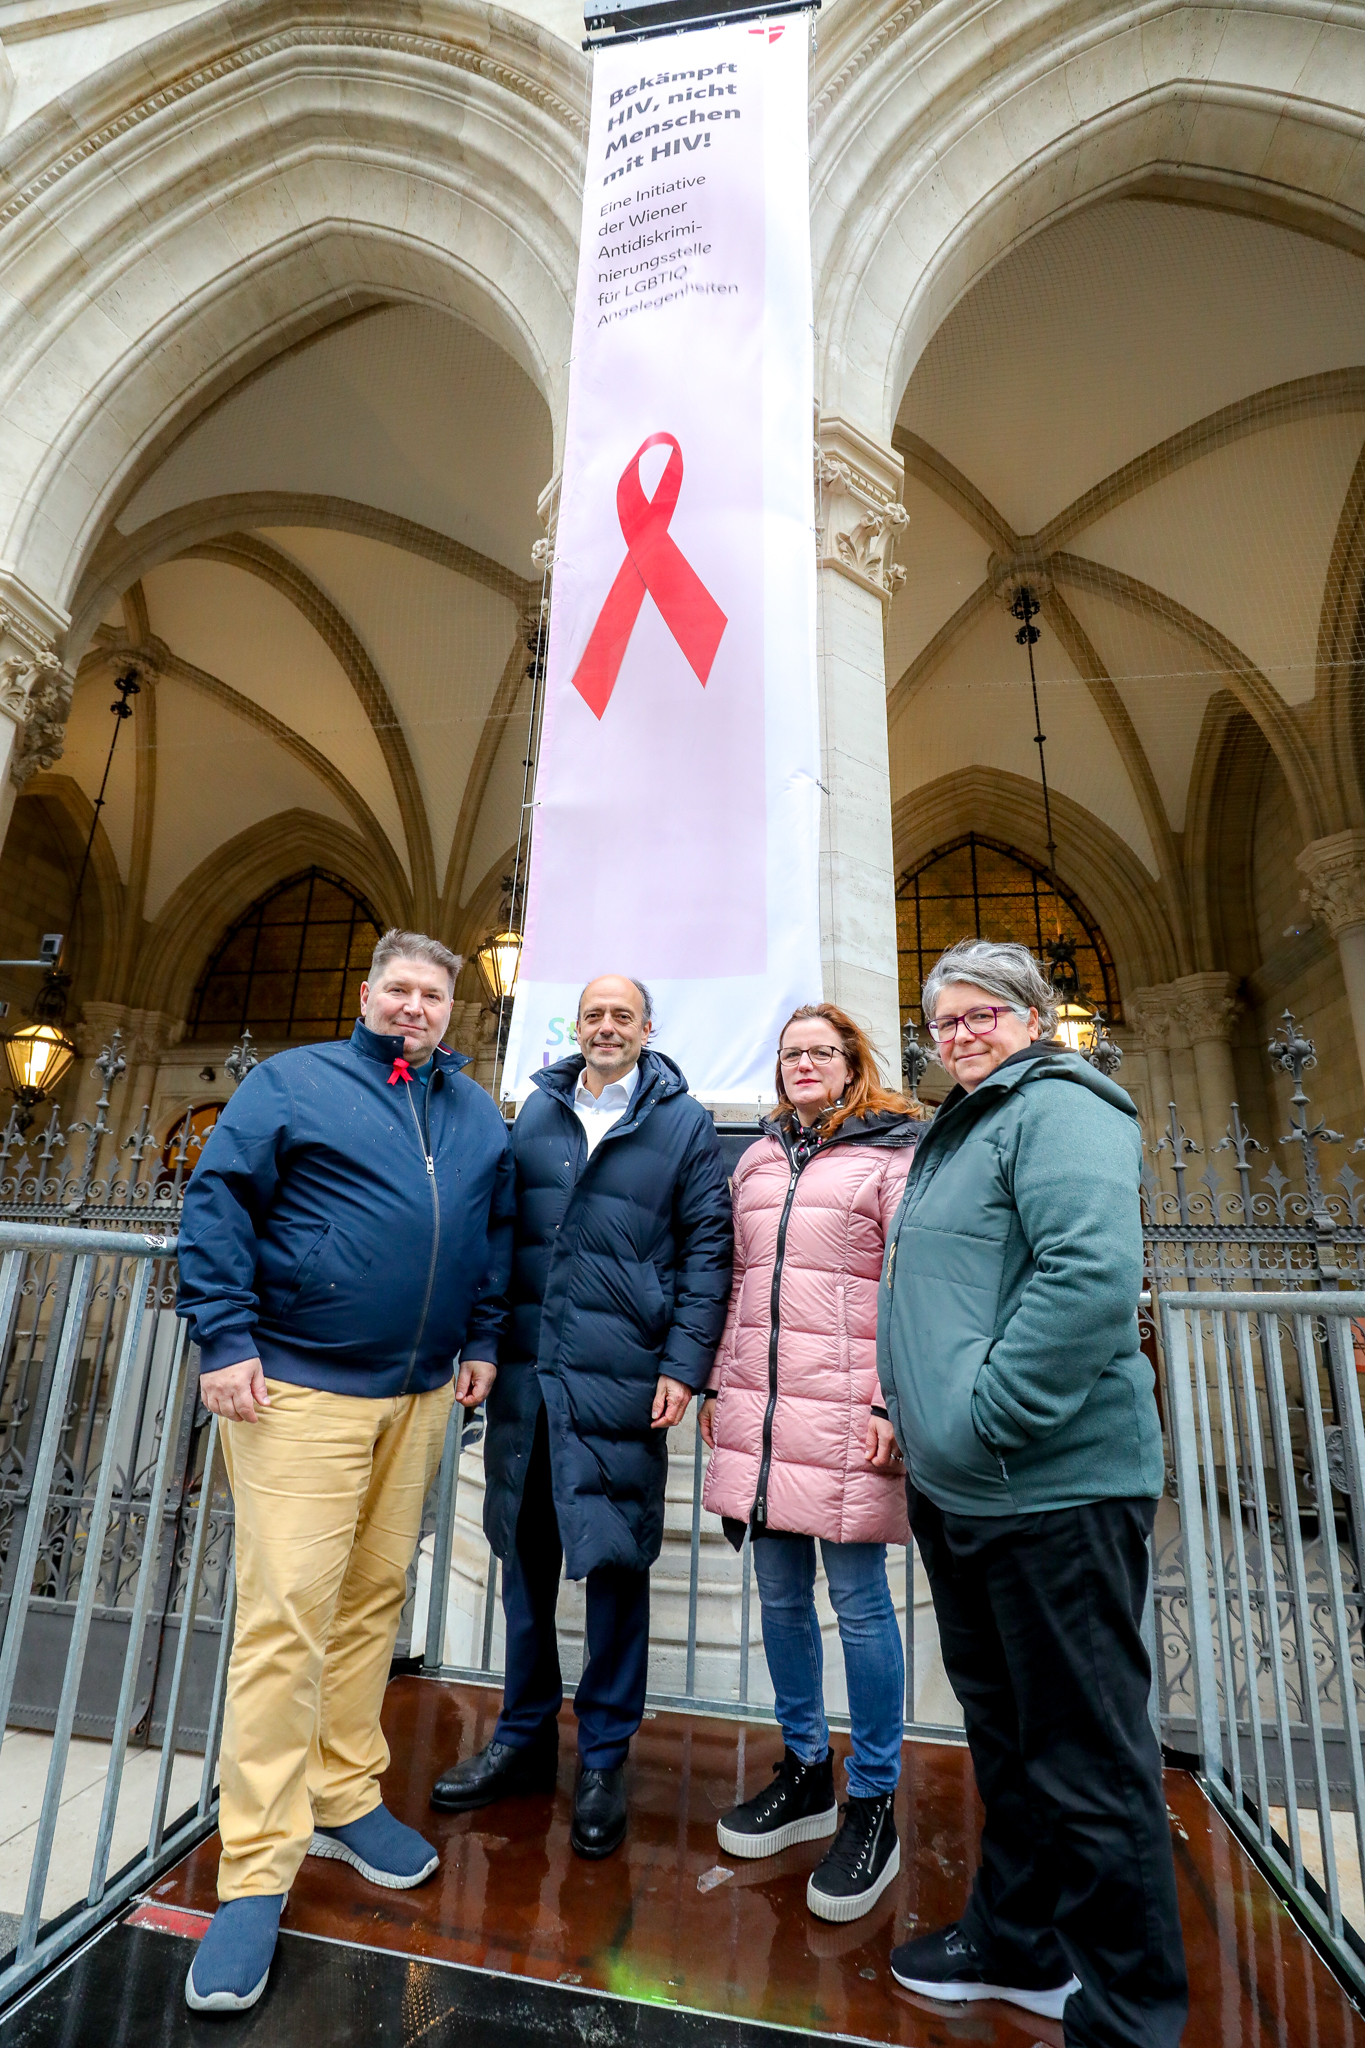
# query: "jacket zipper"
623,1127
890,1283
424,1142
760,1510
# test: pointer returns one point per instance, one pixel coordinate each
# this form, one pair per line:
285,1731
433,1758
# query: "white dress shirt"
597,1113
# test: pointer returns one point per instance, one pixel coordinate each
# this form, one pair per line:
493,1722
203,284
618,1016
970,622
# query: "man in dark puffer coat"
621,1277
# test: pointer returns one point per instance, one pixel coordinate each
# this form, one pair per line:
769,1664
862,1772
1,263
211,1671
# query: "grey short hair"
396,945
1003,969
645,997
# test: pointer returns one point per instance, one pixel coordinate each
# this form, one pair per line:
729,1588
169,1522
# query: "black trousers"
1039,1620
610,1700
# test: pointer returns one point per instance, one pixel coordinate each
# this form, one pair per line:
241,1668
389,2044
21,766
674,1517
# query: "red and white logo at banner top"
676,821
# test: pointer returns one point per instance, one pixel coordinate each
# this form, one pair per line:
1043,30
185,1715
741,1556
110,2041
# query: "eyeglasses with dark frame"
821,1055
980,1022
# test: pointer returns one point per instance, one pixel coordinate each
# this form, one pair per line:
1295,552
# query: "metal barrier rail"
128,1269
1269,1463
1265,1422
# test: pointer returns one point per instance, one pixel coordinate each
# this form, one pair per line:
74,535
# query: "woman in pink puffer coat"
802,1447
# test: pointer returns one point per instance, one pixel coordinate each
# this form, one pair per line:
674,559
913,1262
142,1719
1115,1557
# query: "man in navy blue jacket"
347,1232
620,1284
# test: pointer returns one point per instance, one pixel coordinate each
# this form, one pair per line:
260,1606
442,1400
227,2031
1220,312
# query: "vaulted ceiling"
1158,411
327,584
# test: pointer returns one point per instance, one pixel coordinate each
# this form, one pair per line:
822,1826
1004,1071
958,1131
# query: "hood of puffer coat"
819,1480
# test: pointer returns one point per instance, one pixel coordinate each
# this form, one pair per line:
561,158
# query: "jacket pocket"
306,1269
938,1348
333,1292
654,1303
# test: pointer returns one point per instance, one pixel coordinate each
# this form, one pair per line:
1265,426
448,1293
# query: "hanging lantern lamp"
498,961
1075,1018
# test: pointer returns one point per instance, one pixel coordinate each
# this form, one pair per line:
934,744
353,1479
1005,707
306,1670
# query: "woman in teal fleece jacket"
1009,1357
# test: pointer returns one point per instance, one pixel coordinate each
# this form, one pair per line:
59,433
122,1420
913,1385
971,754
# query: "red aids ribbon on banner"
400,1072
656,564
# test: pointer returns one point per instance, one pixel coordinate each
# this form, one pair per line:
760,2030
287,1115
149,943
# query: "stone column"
35,693
859,516
1334,869
151,1034
1206,1007
1151,1012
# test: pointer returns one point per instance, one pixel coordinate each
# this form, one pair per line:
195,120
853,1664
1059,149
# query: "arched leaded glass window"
292,967
980,888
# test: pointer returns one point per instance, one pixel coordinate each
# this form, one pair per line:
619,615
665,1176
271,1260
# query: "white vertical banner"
675,834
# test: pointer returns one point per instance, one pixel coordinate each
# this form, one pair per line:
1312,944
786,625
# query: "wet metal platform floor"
630,1950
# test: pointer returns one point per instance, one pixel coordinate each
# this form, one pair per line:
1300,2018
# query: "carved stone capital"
1190,1011
47,709
150,1034
18,674
97,1025
547,510
35,693
858,508
47,689
1334,870
1206,1006
1153,1014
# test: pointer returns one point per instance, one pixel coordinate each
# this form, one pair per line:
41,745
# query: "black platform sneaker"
945,1965
858,1866
798,1806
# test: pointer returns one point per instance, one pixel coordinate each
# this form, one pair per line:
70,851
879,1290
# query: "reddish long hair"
864,1091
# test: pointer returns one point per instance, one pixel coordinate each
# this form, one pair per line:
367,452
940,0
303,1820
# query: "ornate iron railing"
1255,1224
73,1175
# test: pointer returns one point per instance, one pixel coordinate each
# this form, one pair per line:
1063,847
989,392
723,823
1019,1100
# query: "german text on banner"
676,821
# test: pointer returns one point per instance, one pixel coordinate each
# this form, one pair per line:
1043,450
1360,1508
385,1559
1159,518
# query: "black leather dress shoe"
599,1813
499,1772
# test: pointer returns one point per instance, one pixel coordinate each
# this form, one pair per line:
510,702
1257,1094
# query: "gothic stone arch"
287,163
938,149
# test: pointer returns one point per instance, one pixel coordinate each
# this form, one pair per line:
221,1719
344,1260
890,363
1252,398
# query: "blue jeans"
874,1657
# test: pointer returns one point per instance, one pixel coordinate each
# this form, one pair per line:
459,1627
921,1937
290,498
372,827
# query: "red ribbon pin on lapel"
656,564
400,1071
